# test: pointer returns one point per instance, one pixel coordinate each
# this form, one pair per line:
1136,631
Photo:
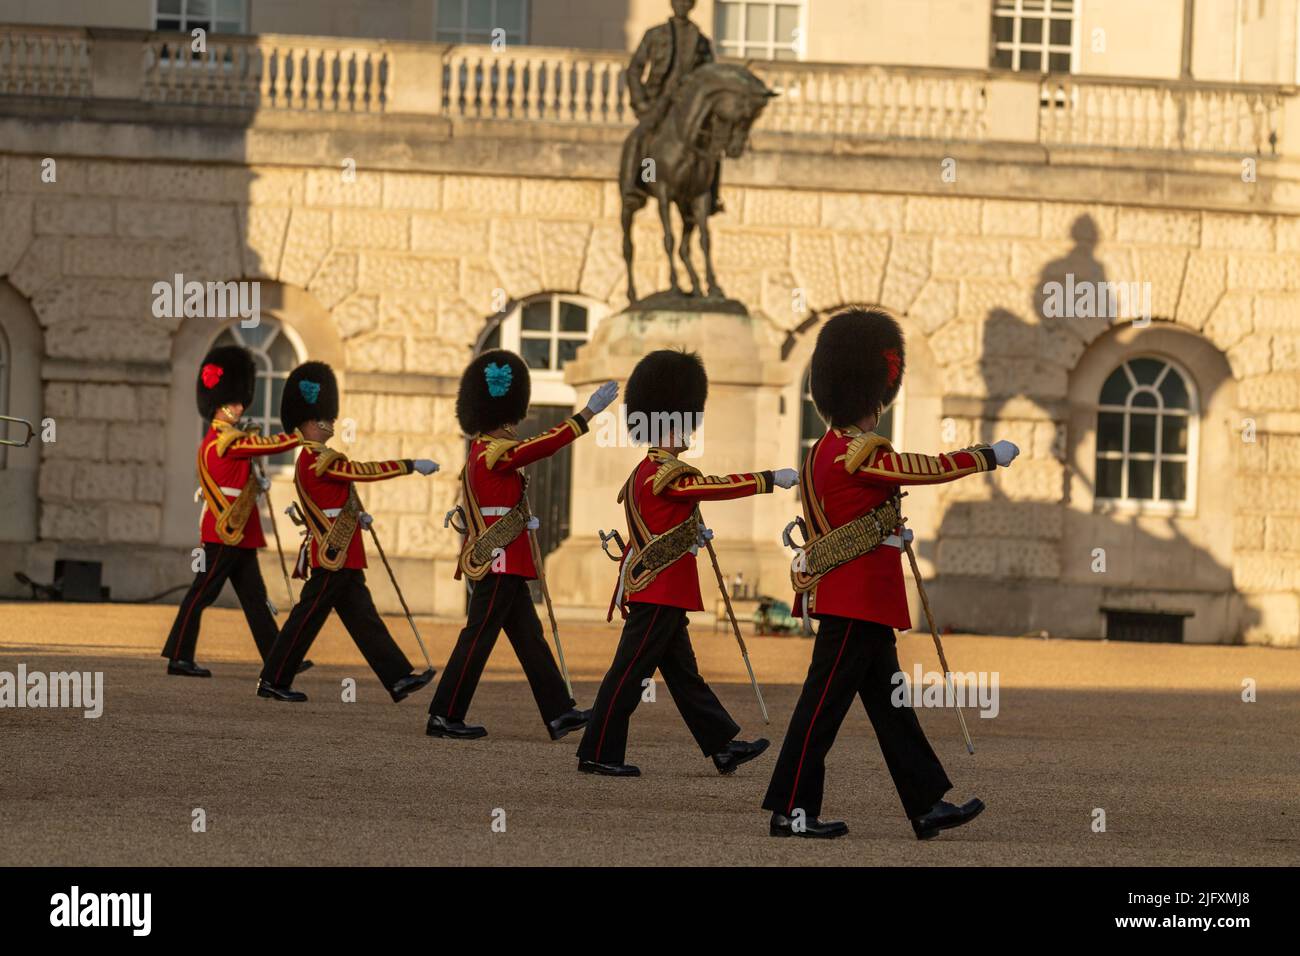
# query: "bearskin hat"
494,391
857,365
310,394
226,375
666,382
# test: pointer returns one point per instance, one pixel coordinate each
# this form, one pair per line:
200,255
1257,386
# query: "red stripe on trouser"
610,709
794,789
496,585
180,635
294,643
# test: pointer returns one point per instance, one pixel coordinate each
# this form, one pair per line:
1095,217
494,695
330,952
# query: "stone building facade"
393,235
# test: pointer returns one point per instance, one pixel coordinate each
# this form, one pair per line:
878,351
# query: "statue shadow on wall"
1015,359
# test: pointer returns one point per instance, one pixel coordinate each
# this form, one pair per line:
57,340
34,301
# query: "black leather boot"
286,694
608,769
738,752
812,829
568,722
455,729
409,684
944,816
187,669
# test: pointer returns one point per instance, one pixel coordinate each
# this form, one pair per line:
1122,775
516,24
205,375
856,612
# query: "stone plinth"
746,376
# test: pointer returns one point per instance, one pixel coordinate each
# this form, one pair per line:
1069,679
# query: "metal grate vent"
1148,626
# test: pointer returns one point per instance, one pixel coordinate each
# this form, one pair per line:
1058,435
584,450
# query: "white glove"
1005,452
907,534
425,466
264,482
366,520
706,534
533,523
785,477
602,397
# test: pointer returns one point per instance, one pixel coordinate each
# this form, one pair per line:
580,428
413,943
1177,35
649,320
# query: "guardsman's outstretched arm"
719,488
883,465
255,446
505,454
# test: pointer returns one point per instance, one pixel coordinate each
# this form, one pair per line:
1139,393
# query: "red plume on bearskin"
494,391
226,376
857,364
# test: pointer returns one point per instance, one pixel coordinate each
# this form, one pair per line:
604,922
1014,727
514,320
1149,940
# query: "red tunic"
493,474
324,478
850,479
225,460
678,585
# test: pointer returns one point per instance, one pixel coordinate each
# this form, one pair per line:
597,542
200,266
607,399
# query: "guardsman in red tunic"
658,582
230,529
850,573
496,555
326,482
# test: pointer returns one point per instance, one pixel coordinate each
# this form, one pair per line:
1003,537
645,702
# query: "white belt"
231,492
331,512
894,541
495,511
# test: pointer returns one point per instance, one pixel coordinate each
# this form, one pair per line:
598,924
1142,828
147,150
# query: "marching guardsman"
326,480
849,574
497,554
658,582
231,528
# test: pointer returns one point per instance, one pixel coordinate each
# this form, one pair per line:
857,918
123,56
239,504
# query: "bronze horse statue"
710,115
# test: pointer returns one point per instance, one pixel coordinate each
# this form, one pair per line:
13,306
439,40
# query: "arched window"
1146,430
811,426
547,330
275,353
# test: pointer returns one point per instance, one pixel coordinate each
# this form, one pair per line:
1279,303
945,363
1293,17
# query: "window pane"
1145,400
1141,479
1059,63
230,9
1031,60
1173,437
1115,391
758,22
167,25
1108,477
536,352
537,316
225,338
493,340
480,15
1061,30
1174,390
1002,29
201,9
1110,431
510,14
169,6
787,21
1142,433
728,22
1145,370
573,317
566,349
1173,481
282,353
1002,59
449,15
1031,31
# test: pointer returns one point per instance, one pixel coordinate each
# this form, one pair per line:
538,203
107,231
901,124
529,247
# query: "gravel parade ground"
1156,735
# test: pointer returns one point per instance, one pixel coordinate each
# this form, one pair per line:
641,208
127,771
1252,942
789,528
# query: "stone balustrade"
589,88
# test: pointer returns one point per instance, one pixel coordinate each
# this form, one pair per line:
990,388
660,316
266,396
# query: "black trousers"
223,563
344,591
853,658
500,601
654,636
